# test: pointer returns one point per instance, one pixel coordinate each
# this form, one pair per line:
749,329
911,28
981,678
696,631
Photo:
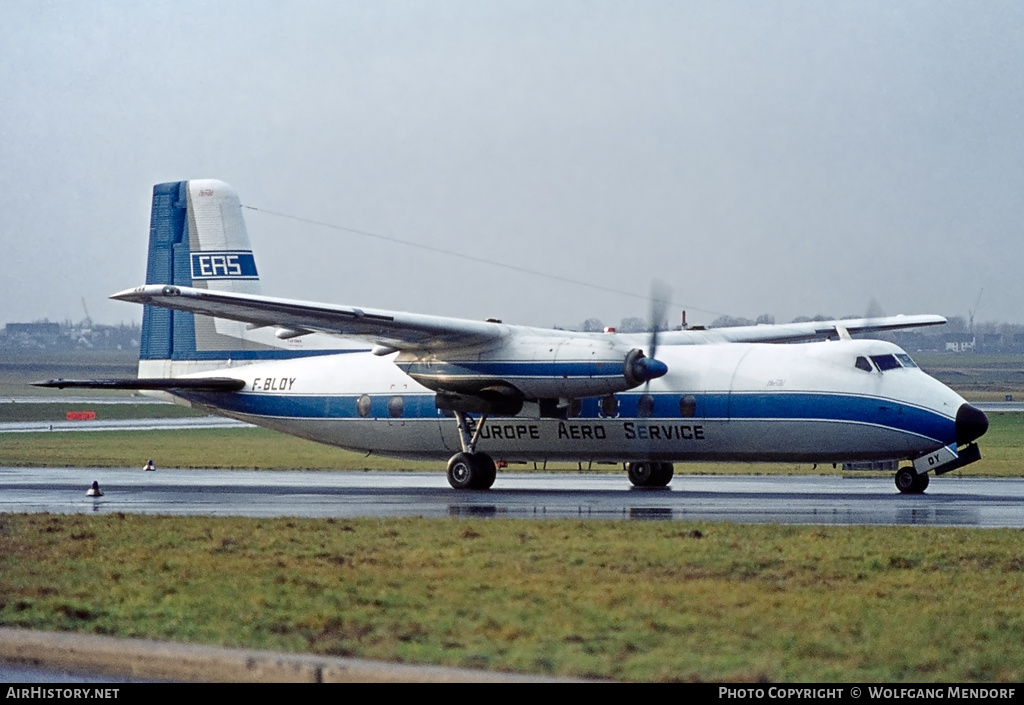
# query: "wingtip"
127,294
141,294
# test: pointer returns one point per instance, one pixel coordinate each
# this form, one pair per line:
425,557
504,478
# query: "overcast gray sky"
789,158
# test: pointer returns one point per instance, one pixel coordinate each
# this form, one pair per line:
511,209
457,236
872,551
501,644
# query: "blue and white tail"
197,238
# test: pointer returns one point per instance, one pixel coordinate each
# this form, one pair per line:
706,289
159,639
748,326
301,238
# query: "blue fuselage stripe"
721,406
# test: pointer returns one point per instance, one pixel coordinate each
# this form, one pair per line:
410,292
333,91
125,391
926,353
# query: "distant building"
41,329
991,341
32,335
960,342
68,336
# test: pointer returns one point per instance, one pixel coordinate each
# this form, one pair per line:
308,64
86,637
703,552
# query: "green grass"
1002,448
104,412
626,600
246,448
19,368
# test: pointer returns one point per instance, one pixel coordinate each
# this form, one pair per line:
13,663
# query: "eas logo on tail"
223,265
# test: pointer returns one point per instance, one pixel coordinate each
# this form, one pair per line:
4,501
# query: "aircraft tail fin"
197,238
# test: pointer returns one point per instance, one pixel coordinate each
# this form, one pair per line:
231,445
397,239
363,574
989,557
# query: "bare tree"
633,325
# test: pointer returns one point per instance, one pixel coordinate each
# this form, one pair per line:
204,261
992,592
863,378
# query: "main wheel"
471,471
665,473
640,474
909,482
487,471
649,474
460,471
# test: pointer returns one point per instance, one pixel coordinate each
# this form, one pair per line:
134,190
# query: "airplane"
485,393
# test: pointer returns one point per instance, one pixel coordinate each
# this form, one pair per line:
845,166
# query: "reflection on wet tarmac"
833,500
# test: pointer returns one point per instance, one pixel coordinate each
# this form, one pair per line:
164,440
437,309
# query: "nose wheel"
908,481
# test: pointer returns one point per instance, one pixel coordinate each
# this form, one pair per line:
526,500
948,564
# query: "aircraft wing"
797,332
410,331
293,318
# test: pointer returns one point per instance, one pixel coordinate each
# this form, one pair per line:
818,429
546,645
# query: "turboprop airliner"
483,394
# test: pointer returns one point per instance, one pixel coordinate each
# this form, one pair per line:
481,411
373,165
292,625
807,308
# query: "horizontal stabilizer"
203,384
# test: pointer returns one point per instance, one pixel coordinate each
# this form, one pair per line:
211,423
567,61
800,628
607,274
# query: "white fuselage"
733,401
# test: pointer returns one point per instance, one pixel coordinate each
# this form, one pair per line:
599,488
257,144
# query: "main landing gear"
648,474
908,481
470,470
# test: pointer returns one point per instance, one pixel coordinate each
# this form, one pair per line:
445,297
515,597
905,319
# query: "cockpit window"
886,362
863,364
905,359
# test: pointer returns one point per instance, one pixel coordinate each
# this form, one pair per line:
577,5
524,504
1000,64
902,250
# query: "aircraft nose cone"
971,423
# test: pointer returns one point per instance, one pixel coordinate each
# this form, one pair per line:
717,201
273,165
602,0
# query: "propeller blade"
660,296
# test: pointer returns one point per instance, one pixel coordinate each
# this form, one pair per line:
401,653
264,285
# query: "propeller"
654,368
660,295
644,368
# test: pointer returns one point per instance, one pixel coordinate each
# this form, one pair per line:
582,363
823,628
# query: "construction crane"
973,311
87,323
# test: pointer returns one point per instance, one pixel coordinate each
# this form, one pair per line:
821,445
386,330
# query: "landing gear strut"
470,470
648,474
908,481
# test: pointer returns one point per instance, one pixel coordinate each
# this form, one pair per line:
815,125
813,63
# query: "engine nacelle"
537,368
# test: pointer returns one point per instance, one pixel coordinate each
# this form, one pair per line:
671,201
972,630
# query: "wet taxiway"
833,500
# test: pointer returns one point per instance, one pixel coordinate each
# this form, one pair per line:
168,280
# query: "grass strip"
104,412
644,601
233,448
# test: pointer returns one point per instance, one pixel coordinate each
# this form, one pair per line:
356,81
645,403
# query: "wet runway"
833,500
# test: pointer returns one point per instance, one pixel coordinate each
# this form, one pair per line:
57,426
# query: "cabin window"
363,405
886,362
863,364
645,406
905,359
688,406
609,406
395,407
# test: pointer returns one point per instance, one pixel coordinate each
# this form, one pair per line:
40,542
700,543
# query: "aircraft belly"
817,440
410,438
